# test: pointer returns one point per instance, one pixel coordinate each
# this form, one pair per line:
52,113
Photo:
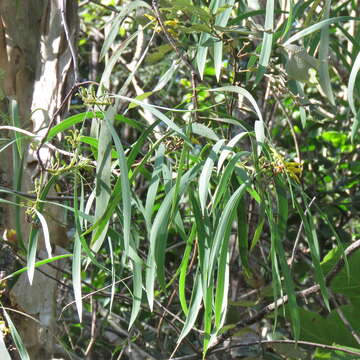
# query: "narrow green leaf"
222,283
225,178
34,232
221,20
114,30
355,127
203,130
278,230
290,20
68,123
31,253
316,27
76,263
267,41
165,78
243,234
258,232
37,264
137,292
324,77
113,278
154,184
142,96
351,85
184,269
208,305
103,180
116,55
195,305
16,337
201,54
45,232
158,237
15,119
203,233
125,185
243,92
204,181
225,222
140,142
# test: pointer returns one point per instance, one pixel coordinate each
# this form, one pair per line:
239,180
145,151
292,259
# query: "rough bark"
35,71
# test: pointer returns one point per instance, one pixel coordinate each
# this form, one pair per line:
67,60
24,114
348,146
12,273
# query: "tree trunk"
35,75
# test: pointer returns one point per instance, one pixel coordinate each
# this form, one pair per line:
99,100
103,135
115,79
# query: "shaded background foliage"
221,227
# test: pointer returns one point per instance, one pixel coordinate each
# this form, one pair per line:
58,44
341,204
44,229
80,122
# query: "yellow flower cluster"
291,168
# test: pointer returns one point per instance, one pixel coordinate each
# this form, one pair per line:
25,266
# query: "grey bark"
35,70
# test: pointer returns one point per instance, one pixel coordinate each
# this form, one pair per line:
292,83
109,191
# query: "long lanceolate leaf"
184,269
125,186
351,85
267,41
16,337
323,57
225,223
218,255
158,237
277,229
202,50
76,264
154,184
103,179
350,91
195,306
34,232
316,27
126,10
204,181
137,292
221,20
